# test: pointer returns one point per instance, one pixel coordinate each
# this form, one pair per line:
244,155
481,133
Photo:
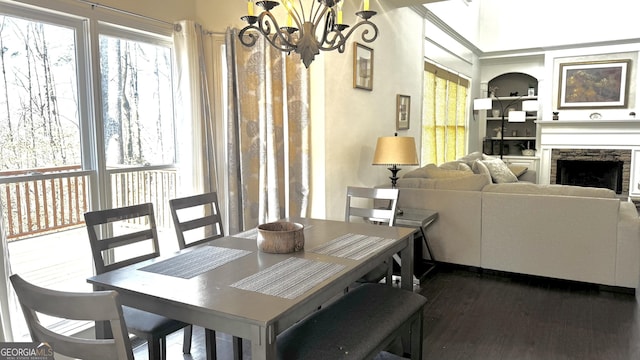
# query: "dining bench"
359,325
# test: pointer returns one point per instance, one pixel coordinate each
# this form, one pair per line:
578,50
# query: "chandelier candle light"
321,28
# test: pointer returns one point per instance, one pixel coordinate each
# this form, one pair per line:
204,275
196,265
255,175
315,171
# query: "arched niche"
513,84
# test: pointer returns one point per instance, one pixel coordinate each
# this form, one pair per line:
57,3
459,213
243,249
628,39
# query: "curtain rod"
95,4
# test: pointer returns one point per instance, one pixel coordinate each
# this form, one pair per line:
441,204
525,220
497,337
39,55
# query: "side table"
421,219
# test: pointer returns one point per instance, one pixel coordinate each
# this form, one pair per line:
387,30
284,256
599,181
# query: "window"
444,123
72,140
137,102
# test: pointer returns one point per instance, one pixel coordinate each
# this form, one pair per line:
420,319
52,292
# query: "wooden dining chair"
136,241
373,205
197,220
377,206
95,306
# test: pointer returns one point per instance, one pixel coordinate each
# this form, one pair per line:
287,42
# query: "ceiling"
404,3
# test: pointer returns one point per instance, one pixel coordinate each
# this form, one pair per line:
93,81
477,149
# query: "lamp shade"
395,150
517,116
530,105
482,104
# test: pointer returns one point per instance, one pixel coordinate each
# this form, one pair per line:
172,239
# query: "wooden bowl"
280,237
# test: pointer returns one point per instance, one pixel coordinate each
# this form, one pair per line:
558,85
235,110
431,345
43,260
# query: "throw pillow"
518,170
481,169
499,171
470,158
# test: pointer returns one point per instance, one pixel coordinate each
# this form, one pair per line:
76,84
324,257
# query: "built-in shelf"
522,138
505,118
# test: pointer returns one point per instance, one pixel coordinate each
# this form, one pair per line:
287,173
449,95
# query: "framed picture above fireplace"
594,84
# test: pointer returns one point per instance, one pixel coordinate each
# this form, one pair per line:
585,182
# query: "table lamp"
393,151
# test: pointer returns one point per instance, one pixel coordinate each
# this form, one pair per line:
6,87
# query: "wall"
353,119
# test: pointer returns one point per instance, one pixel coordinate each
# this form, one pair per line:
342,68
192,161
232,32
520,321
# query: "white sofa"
564,232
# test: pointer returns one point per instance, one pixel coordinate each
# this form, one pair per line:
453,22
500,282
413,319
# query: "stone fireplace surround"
612,155
591,139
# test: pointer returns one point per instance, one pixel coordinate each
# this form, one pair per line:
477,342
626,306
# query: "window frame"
90,21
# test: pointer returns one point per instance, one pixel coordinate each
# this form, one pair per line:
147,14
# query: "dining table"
229,285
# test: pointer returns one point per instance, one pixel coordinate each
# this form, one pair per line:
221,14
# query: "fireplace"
605,168
604,174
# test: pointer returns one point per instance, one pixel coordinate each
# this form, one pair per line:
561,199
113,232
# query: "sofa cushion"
499,171
472,182
416,173
538,189
455,165
416,183
431,171
435,172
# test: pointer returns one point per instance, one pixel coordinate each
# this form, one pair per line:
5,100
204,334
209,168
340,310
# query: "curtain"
5,272
444,124
197,148
268,134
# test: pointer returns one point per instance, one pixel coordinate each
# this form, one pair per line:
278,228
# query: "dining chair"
197,220
95,306
373,205
136,241
377,206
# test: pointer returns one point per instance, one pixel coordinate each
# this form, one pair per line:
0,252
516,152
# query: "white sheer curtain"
196,146
5,271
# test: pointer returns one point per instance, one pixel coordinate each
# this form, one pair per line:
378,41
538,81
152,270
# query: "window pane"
38,97
40,134
137,102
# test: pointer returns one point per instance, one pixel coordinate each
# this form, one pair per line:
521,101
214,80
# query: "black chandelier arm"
365,32
334,40
337,39
280,38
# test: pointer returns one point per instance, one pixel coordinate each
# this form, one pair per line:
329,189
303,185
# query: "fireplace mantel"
590,134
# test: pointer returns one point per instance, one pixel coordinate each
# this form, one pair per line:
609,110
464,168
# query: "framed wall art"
594,84
403,105
362,67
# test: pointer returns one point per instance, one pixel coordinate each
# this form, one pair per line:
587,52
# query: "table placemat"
353,246
289,278
195,262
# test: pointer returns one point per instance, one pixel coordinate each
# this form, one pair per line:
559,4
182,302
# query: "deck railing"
156,185
44,200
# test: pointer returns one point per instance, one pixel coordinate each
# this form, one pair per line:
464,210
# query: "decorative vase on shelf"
555,115
495,113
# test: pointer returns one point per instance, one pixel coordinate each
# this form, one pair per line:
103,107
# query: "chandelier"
305,33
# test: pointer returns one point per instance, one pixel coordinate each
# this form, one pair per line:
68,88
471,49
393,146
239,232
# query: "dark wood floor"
471,316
